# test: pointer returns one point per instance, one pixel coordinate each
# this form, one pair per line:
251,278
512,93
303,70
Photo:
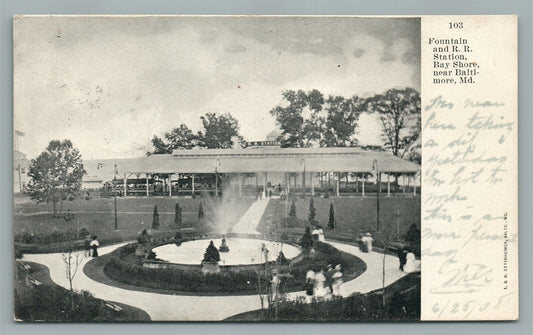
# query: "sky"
110,83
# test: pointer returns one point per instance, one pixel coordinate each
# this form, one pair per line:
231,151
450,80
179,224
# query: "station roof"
253,161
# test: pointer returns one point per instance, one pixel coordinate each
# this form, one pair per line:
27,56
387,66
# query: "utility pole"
375,168
115,194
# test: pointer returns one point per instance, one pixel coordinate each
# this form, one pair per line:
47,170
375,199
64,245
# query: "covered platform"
270,170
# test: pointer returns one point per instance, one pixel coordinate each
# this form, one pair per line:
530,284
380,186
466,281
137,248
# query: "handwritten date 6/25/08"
463,309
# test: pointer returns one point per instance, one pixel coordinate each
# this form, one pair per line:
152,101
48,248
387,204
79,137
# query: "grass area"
351,215
122,269
52,303
32,220
402,303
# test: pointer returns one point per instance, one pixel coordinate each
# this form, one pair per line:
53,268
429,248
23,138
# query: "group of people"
323,283
365,242
91,246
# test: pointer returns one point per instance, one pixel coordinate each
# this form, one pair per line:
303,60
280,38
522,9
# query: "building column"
265,184
414,184
178,184
338,183
388,185
312,185
192,176
356,183
125,184
147,186
363,189
241,177
288,182
170,184
403,182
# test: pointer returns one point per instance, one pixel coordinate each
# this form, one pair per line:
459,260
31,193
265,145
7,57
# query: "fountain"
244,251
223,247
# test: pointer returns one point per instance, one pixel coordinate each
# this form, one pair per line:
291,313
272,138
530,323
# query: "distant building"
21,167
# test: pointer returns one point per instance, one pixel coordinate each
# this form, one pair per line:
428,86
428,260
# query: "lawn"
134,214
50,302
402,303
351,215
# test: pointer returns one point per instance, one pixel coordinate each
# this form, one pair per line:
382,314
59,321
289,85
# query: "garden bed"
124,269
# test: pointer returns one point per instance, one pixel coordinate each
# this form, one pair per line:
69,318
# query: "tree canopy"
220,131
55,174
399,113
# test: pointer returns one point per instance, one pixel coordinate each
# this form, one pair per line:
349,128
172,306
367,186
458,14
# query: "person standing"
320,280
87,246
94,246
402,256
337,280
309,284
329,277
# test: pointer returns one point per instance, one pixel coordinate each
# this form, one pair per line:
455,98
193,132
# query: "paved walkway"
163,307
249,221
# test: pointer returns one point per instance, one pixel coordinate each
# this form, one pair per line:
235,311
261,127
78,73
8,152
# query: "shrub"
306,241
331,221
292,219
211,254
177,218
201,213
312,212
155,220
84,232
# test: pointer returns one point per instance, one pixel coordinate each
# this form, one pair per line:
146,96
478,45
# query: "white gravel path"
163,307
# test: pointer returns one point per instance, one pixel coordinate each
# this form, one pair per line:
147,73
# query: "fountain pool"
242,251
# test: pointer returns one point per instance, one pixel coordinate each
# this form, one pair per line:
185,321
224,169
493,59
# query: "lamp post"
216,177
302,162
115,195
375,168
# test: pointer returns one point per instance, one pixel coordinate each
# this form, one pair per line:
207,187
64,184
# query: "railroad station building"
261,168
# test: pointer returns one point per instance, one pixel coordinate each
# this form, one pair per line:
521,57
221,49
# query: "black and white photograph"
217,168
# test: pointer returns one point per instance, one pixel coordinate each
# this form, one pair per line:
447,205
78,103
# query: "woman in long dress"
309,285
410,264
320,281
321,237
94,246
337,280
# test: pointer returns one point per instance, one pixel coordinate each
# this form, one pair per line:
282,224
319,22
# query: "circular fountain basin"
242,251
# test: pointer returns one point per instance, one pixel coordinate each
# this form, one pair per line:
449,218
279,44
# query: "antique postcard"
265,168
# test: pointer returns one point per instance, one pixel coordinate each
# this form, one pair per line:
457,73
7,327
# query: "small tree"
292,219
312,212
71,268
201,214
331,222
177,218
55,174
155,221
211,254
306,241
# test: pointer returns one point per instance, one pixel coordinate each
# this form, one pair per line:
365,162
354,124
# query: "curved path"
163,307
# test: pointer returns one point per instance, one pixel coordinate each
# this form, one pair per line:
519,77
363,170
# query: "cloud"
358,52
110,84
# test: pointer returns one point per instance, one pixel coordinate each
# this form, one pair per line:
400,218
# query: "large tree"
341,121
399,113
221,131
299,120
55,174
180,137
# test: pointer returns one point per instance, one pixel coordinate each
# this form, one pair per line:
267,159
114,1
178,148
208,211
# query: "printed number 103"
456,25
